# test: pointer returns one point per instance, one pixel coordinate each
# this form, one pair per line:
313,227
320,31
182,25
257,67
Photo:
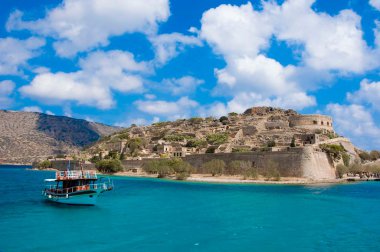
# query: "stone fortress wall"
311,122
294,162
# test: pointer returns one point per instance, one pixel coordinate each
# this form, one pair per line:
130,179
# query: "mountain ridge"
27,136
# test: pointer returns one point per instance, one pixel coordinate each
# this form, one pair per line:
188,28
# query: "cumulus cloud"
355,122
181,108
369,93
330,42
168,46
326,45
242,101
6,89
80,25
375,4
180,86
235,31
100,74
259,74
32,109
16,52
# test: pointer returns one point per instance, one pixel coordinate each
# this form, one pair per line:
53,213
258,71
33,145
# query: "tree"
167,167
271,143
109,166
341,170
44,164
151,166
197,143
334,150
217,138
237,167
346,159
364,156
232,114
223,119
215,167
272,171
374,155
293,143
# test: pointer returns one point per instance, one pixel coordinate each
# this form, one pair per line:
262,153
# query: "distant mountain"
26,136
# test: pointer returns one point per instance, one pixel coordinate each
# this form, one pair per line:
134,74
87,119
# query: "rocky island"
261,144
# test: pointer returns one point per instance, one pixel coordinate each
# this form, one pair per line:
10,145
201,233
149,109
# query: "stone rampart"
294,162
311,122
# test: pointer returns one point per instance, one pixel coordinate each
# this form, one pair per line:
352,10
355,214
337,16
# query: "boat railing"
69,175
58,190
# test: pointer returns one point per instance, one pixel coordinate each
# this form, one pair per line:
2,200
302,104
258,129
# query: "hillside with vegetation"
27,136
257,129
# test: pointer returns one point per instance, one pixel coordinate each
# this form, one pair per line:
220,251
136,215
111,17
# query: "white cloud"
183,85
6,89
32,109
100,74
330,42
181,108
369,93
326,46
138,121
168,46
15,53
236,31
259,74
150,96
375,4
80,25
48,112
242,101
356,123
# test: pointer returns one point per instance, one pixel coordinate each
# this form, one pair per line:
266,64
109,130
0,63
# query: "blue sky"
127,61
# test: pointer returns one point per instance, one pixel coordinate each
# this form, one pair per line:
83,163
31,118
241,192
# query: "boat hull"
83,198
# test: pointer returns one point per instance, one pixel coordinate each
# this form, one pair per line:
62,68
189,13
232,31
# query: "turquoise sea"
157,215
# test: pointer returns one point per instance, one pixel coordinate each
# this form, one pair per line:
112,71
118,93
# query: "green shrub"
95,159
374,155
241,149
215,167
334,150
44,164
293,142
197,143
364,156
237,167
271,171
271,143
217,138
196,120
355,168
232,114
109,166
250,173
167,167
223,118
341,170
346,159
211,149
124,135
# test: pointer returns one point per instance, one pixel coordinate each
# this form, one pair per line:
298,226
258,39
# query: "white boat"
75,187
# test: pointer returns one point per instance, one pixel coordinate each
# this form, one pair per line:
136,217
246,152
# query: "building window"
321,122
315,122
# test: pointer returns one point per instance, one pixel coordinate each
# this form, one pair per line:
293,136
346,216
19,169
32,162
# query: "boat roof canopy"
50,180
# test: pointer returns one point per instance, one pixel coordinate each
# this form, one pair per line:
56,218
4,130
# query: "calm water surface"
156,215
